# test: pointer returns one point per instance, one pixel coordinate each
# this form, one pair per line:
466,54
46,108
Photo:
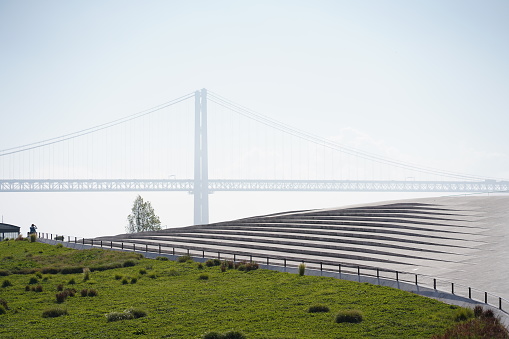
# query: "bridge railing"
339,269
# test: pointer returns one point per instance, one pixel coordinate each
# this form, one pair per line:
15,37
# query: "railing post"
358,271
122,247
285,261
234,257
111,243
92,242
188,251
378,273
397,276
470,293
452,288
68,238
321,267
101,243
267,261
51,236
250,258
134,247
75,240
219,255
83,240
499,303
416,280
203,253
434,283
159,251
485,297
173,250
339,269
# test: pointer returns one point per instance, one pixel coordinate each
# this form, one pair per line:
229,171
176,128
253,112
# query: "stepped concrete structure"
464,240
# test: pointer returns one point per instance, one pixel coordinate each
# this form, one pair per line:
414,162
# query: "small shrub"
203,277
212,335
6,283
488,314
130,313
86,274
234,335
184,258
38,275
143,271
71,270
61,296
84,292
152,276
463,314
318,308
59,245
223,267
33,237
209,263
33,280
241,267
134,280
229,264
129,263
162,258
60,287
200,266
27,288
136,312
4,273
118,277
54,312
20,238
70,292
125,281
3,303
50,270
116,316
2,310
478,311
349,316
302,269
37,288
72,281
92,293
251,266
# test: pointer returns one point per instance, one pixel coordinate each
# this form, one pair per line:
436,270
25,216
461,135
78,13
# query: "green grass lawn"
260,303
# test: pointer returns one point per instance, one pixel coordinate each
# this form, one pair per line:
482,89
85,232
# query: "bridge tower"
201,176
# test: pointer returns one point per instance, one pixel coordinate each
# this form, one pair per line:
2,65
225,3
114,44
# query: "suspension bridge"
203,143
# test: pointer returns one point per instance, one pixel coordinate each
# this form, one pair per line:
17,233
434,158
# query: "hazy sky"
423,81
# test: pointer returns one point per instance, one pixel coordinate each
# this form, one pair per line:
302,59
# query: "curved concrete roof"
464,240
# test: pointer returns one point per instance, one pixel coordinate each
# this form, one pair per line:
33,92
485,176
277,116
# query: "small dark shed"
8,231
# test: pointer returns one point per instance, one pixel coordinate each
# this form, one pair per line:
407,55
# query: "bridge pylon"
201,176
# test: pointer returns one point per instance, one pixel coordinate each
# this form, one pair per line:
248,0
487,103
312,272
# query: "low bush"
33,237
33,280
61,296
50,270
302,269
125,281
71,270
59,245
227,335
130,313
480,327
162,258
200,266
209,263
223,267
478,311
38,275
72,281
129,263
118,277
27,288
60,287
203,277
86,274
6,283
229,264
20,238
105,267
54,312
37,288
60,238
84,292
143,271
318,308
349,316
152,276
4,273
92,293
463,314
134,280
184,258
2,310
3,303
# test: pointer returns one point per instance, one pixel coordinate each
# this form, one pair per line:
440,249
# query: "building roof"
8,228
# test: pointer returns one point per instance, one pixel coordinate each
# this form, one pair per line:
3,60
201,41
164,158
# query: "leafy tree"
142,218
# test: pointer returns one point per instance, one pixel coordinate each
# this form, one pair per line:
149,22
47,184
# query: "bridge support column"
201,176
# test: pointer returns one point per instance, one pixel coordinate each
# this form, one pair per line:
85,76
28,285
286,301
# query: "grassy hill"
182,300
